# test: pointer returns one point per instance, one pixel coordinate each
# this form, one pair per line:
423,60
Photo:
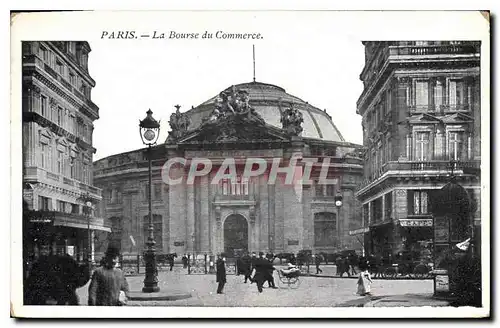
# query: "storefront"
63,233
417,240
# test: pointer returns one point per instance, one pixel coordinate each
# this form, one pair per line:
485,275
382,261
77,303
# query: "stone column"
190,219
204,214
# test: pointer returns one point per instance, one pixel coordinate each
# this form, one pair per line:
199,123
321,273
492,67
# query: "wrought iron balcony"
421,167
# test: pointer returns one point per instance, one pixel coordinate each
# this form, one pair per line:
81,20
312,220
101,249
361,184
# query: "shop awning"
79,225
359,231
53,218
420,222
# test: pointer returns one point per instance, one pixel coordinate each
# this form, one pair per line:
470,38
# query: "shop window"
325,229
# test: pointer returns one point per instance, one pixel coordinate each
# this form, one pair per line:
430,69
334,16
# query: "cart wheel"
294,283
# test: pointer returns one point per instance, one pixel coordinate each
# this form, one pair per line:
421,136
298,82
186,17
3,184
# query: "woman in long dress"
364,281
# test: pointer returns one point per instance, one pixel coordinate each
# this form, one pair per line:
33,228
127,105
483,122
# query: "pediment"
424,119
457,118
234,128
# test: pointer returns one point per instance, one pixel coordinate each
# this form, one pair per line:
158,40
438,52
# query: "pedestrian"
184,261
220,273
270,277
246,262
108,282
253,259
317,261
261,271
53,279
364,281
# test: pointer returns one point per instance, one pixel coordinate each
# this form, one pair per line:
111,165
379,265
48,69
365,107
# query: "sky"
321,68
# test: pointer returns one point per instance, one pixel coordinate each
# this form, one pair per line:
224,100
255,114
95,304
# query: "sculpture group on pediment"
179,124
292,119
232,102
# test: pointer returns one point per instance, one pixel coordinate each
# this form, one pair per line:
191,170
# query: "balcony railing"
377,69
35,174
438,49
438,108
421,166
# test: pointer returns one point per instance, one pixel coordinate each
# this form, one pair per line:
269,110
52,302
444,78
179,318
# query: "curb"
160,296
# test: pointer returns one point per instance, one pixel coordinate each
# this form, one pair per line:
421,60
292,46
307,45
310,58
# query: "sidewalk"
406,300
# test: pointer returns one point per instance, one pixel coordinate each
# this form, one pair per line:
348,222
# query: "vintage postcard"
294,164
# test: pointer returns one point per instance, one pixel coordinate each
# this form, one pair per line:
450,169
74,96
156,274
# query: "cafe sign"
40,217
415,222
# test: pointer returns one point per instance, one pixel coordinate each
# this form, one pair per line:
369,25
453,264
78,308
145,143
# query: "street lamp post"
149,130
338,205
87,200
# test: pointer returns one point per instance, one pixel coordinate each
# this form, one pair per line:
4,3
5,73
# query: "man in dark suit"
220,273
262,270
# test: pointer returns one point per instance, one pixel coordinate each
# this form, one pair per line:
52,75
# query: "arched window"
325,229
157,230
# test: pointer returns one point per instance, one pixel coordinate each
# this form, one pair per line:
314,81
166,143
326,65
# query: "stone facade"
58,116
242,215
421,124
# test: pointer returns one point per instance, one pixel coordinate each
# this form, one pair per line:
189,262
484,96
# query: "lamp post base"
151,279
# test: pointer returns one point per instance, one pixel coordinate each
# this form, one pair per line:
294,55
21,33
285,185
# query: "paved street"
313,291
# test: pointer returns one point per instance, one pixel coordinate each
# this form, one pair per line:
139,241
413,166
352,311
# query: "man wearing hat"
220,273
108,281
262,268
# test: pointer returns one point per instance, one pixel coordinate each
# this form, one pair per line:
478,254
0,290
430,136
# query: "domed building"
215,187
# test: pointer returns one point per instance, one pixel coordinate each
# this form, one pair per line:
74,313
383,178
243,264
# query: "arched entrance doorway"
235,235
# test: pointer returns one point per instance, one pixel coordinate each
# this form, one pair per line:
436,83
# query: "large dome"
266,99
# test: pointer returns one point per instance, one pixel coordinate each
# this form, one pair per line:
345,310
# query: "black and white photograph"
299,164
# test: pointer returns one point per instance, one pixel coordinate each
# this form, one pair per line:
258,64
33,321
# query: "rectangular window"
72,78
418,202
75,209
225,187
438,95
60,162
421,95
388,206
59,67
43,106
318,188
456,95
44,203
157,191
422,146
60,113
325,229
61,206
72,168
456,149
146,192
330,190
44,55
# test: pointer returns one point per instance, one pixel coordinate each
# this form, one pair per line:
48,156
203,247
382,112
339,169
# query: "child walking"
364,281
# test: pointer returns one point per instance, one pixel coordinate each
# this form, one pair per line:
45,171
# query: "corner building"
421,124
242,214
57,122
